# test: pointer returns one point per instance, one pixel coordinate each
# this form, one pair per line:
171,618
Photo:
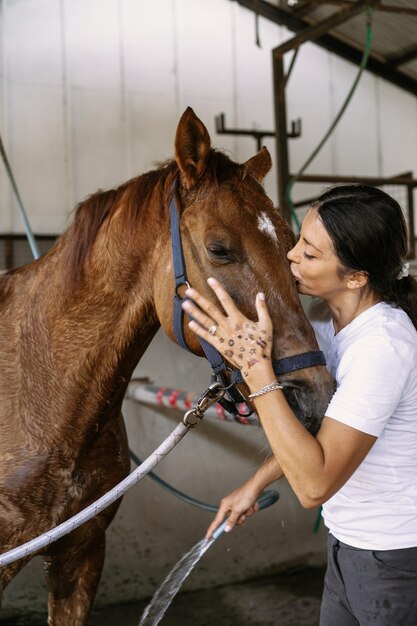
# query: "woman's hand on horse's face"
244,343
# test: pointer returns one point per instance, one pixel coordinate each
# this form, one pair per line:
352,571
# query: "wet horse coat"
74,324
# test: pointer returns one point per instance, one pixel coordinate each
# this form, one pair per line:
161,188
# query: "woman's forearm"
315,467
267,473
298,454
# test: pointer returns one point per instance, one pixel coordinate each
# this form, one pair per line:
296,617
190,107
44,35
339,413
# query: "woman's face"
314,263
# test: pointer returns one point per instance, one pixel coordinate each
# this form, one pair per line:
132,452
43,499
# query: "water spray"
163,597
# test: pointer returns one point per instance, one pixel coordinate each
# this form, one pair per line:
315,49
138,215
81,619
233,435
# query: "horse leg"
72,577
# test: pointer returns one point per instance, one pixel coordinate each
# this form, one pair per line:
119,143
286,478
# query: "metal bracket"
258,135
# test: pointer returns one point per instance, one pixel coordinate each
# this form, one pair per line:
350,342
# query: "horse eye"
220,254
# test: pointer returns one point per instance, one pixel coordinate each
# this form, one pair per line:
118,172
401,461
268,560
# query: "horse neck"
113,310
87,342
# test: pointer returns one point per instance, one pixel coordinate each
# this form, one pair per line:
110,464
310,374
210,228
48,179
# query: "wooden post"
281,134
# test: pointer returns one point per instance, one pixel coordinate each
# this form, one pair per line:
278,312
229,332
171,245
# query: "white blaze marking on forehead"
265,225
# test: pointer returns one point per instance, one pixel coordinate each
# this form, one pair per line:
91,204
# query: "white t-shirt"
374,362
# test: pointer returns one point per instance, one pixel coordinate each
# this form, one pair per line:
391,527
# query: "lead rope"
190,420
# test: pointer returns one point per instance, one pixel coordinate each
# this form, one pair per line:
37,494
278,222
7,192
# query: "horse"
75,323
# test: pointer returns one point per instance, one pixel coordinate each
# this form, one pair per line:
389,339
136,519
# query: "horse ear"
259,165
192,145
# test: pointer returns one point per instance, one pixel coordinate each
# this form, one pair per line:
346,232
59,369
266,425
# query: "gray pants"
369,587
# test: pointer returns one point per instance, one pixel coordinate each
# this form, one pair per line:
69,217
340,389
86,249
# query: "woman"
362,464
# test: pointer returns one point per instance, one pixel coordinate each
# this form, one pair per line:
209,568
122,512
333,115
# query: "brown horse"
74,324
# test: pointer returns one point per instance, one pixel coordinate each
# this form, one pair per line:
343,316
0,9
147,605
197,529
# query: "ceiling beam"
383,8
402,59
317,29
332,44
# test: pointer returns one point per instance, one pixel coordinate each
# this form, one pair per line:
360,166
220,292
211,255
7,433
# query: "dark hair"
369,234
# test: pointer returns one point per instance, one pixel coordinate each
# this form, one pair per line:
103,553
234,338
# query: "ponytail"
405,297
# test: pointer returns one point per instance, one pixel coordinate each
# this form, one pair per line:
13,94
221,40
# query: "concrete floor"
290,599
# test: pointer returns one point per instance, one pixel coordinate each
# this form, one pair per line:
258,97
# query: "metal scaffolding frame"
319,34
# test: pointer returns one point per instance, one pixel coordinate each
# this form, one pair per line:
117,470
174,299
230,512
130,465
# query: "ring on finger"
212,329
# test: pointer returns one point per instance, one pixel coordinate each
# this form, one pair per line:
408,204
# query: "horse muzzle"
308,402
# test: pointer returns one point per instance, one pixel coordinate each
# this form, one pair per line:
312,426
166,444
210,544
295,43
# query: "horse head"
230,229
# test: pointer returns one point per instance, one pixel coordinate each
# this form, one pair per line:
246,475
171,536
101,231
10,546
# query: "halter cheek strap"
218,365
213,356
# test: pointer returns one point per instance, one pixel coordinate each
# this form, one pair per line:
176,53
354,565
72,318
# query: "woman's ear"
357,280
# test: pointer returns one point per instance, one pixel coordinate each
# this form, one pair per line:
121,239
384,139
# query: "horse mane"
91,214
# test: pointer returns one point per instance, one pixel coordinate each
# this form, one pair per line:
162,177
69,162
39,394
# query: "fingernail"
227,528
261,295
211,280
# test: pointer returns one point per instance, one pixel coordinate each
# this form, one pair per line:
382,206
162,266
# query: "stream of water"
163,597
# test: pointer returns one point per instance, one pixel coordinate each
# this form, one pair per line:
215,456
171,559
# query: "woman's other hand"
238,505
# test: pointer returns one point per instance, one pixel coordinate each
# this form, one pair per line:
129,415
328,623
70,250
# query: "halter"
221,371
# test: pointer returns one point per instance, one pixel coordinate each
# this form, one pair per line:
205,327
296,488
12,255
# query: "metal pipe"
29,234
412,242
377,181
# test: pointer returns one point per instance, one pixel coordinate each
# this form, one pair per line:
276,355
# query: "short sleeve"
371,379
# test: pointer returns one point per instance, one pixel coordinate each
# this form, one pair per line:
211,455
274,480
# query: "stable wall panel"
36,134
92,30
99,154
309,98
253,63
32,38
32,128
253,93
356,135
152,131
254,87
398,130
149,47
5,190
204,65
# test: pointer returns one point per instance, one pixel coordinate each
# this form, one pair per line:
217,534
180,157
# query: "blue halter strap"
220,369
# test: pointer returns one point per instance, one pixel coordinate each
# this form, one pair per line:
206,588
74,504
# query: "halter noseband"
218,365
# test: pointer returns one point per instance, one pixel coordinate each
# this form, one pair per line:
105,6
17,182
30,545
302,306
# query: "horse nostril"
304,404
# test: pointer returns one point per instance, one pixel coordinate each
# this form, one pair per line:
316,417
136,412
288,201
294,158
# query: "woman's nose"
293,254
